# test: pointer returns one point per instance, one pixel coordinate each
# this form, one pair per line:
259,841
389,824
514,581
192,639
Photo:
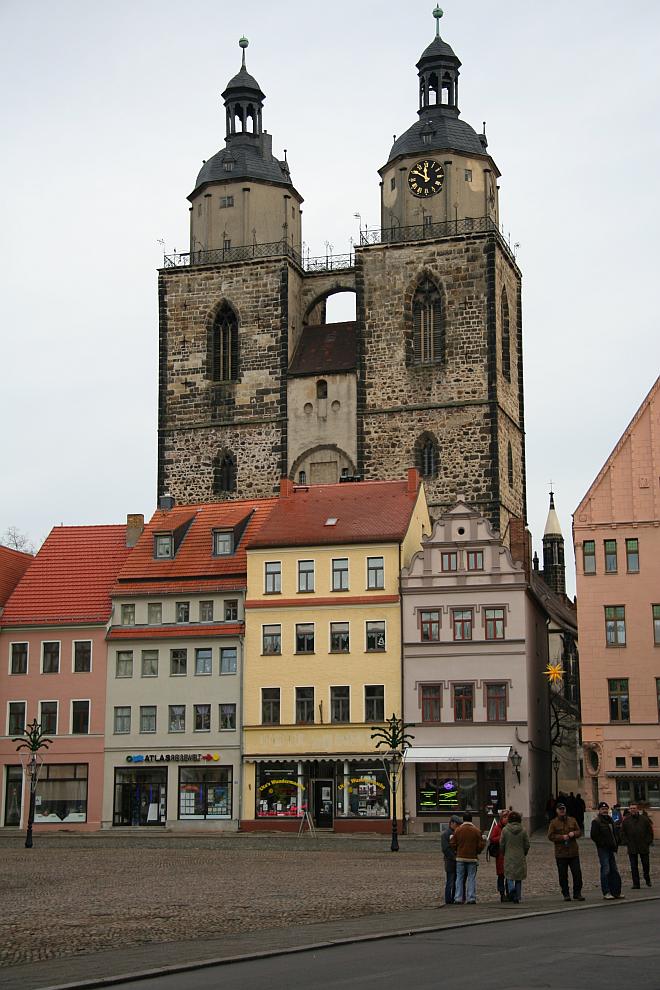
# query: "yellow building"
323,651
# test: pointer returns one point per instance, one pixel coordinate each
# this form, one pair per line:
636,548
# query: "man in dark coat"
603,834
564,832
638,834
580,808
450,859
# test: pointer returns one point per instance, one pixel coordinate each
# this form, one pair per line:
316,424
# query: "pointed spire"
552,524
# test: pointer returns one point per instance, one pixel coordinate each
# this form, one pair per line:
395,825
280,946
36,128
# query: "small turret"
554,567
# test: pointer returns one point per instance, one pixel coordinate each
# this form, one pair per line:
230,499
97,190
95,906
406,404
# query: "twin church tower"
255,385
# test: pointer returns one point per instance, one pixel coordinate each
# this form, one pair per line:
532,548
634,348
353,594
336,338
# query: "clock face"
426,178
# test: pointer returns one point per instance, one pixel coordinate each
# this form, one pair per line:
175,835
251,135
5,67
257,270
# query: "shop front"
67,793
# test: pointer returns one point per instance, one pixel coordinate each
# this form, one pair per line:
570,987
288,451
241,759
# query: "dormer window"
223,543
163,546
426,138
228,166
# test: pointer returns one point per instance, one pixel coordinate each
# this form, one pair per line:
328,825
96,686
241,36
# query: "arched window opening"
250,120
433,90
428,457
447,90
428,328
322,389
225,346
238,118
506,337
224,474
509,465
302,477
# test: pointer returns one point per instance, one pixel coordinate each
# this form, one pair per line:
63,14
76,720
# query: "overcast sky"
108,110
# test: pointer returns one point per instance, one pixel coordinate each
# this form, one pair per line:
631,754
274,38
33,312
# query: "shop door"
323,803
140,799
13,795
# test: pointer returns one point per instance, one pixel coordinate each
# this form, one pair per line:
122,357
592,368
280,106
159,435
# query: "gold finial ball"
437,13
243,42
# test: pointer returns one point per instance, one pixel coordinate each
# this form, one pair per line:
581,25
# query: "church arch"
506,335
224,473
427,456
222,360
316,311
425,322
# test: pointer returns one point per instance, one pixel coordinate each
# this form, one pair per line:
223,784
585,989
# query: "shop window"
51,658
61,794
150,663
638,791
340,704
494,621
374,703
305,637
339,637
615,625
202,718
446,788
154,613
431,698
462,623
127,615
363,792
205,792
475,560
206,611
449,560
589,556
270,706
82,656
14,796
176,718
632,556
228,660
463,702
19,658
182,611
496,702
164,546
279,793
178,663
430,626
619,702
79,718
48,717
340,574
16,725
273,577
231,610
610,557
271,640
147,718
223,543
122,720
305,575
305,706
203,660
124,663
227,717
375,637
375,573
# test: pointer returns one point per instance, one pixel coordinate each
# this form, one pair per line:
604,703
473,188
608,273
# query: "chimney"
166,502
520,541
134,528
413,481
286,487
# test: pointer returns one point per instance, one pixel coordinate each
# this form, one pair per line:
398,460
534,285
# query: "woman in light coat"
514,843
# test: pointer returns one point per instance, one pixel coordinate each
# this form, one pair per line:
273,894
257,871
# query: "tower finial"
437,13
243,43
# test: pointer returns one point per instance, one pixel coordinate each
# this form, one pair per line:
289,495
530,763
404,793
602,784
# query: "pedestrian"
550,809
514,843
604,835
580,808
450,859
570,805
564,832
495,850
468,842
638,833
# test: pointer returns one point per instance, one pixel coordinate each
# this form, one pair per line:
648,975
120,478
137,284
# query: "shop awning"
458,754
634,774
374,758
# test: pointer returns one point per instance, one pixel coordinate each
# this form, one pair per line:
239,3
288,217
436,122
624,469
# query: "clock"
426,178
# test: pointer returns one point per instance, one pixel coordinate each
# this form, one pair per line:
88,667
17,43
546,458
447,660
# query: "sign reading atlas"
172,757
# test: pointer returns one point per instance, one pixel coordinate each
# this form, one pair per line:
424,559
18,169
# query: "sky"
108,111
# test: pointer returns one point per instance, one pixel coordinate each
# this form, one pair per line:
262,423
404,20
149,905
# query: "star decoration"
554,672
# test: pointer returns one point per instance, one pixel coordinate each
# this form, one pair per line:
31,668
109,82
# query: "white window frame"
161,614
127,625
332,574
73,655
364,702
15,642
375,556
350,703
366,648
125,677
305,560
202,673
89,717
194,714
114,720
147,732
57,716
59,666
16,701
228,673
149,650
336,622
236,726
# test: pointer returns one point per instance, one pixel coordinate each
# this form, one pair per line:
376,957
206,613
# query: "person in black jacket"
603,834
450,860
638,833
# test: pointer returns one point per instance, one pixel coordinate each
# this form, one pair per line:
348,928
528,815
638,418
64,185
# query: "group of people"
508,844
575,807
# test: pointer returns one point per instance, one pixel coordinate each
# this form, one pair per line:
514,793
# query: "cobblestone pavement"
77,894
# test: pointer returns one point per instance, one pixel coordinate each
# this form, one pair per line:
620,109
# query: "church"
255,385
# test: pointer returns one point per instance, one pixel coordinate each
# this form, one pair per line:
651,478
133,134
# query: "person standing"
638,833
603,834
564,832
494,849
450,859
514,843
580,808
468,843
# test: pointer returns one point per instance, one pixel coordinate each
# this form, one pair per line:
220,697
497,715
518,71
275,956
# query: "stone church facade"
254,384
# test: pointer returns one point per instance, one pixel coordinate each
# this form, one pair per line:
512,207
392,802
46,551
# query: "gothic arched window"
224,345
322,389
224,474
509,465
506,337
428,324
428,456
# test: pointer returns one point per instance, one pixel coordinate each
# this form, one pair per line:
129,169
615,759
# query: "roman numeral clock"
426,178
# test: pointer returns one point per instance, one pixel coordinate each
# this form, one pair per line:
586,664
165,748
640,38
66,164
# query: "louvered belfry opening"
506,337
224,474
225,345
428,456
428,324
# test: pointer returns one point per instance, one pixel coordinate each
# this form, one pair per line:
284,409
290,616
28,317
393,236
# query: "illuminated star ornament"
554,672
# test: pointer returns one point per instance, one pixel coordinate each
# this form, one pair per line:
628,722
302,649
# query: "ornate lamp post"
397,741
32,741
556,763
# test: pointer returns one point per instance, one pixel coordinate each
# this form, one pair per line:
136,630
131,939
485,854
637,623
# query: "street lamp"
516,760
32,741
397,740
556,763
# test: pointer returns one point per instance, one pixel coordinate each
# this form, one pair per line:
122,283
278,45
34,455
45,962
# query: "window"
656,624
82,656
506,335
150,663
163,546
340,574
227,717
375,572
430,626
305,705
202,715
657,691
154,613
615,625
610,556
147,718
428,220
494,620
231,610
653,761
226,244
375,637
449,560
638,791
226,202
224,474
17,718
496,702
632,556
270,706
636,762
393,182
463,702
19,658
427,456
339,637
374,703
509,464
302,477
273,577
80,718
182,611
228,656
428,324
205,792
223,543
462,623
305,637
177,718
468,175
475,560
589,556
61,793
340,704
51,660
271,639
128,615
224,342
206,611
48,717
204,660
431,702
322,389
305,575
124,663
619,701
122,722
178,663
228,166
620,761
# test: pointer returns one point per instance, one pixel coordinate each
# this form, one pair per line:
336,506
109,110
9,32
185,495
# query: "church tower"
554,567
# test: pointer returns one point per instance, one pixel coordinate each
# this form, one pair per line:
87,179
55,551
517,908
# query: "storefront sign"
281,780
172,757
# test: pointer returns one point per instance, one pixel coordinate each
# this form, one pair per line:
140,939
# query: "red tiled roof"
70,578
176,632
189,586
366,512
13,565
194,557
324,348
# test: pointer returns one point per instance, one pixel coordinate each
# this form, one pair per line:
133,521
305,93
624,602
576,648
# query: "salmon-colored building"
53,668
616,532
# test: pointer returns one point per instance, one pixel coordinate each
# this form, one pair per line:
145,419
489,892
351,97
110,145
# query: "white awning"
458,754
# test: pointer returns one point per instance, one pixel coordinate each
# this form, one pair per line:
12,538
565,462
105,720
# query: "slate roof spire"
244,100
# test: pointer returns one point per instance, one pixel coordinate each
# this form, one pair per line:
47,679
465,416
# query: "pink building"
616,532
53,669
